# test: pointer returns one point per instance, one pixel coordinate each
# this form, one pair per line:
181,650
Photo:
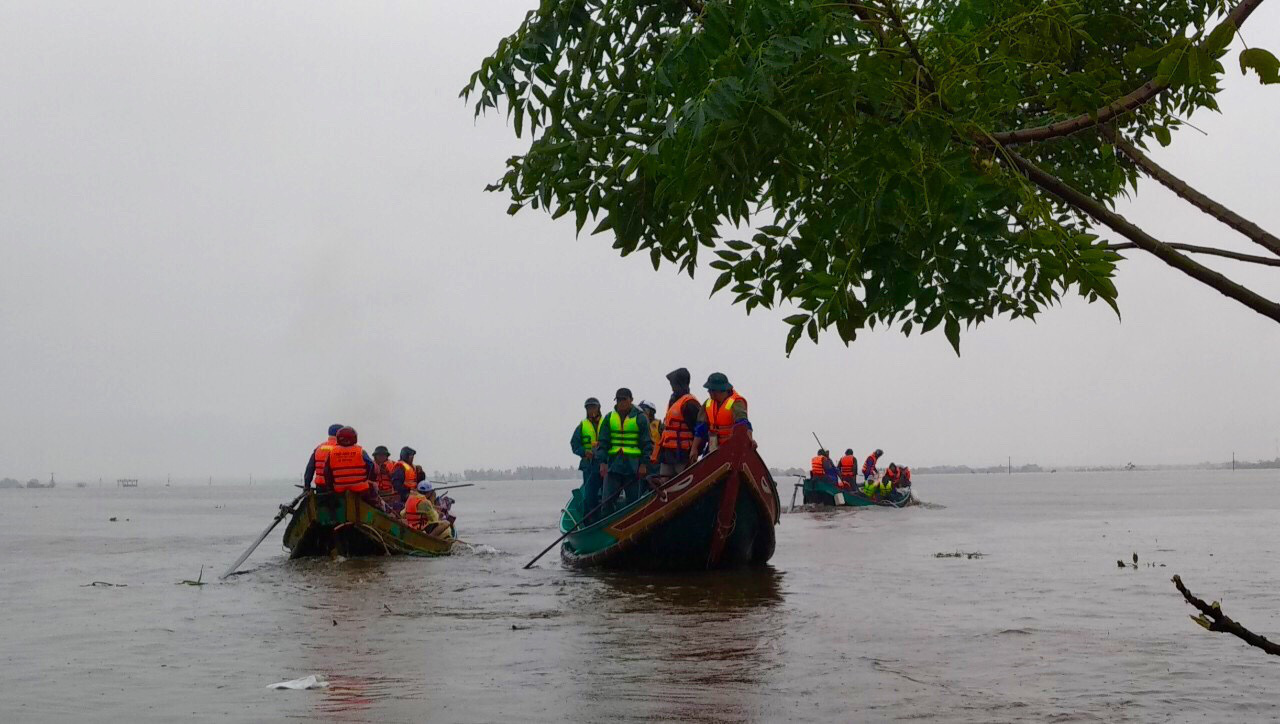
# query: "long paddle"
575,528
284,510
450,487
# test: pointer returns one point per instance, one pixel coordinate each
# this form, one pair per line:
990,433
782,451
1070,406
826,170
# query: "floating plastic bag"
306,682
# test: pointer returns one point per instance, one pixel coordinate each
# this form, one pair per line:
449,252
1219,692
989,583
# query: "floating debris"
198,582
960,554
307,682
104,584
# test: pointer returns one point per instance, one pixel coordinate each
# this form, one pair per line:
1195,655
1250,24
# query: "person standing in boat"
869,472
383,467
348,468
623,451
316,461
404,476
675,447
583,444
849,468
724,414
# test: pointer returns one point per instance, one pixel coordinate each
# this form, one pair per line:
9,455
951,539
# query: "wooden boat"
343,524
719,513
824,491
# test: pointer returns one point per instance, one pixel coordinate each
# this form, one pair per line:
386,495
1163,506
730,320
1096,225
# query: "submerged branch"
1142,239
1213,619
1250,258
1144,94
1197,199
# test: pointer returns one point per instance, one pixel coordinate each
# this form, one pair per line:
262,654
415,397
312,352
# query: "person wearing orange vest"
675,449
405,476
583,444
869,472
821,466
849,467
905,480
723,415
348,467
383,467
421,513
315,463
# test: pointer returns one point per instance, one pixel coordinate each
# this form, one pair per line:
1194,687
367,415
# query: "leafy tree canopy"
871,144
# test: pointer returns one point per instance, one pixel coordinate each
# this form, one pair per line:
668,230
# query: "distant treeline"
524,472
32,483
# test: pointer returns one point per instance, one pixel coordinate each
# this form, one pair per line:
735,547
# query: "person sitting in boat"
848,469
315,463
382,468
623,451
869,472
421,513
821,467
404,476
892,475
904,481
348,468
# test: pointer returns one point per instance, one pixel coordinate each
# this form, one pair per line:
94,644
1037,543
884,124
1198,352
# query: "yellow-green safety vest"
624,435
590,433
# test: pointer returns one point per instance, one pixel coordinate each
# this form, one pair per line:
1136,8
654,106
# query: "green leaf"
797,319
1263,63
1162,135
1220,38
952,330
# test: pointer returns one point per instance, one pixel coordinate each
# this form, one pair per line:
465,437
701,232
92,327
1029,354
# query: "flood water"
855,619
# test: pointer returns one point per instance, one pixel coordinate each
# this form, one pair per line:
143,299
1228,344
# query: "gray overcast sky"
225,225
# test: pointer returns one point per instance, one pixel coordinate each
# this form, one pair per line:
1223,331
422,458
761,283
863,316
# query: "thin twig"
1197,199
1250,258
1213,619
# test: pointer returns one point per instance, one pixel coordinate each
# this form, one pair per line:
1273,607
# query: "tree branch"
1197,199
1213,619
1142,239
1251,258
892,11
1135,99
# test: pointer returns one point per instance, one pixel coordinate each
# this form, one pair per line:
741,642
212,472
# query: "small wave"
476,549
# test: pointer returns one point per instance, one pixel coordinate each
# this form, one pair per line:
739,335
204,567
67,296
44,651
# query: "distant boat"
824,491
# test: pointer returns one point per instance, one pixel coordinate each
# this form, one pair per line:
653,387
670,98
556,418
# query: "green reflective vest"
590,433
624,435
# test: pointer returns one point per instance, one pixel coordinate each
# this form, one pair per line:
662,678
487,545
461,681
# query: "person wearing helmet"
420,511
869,472
655,432
583,444
723,415
404,476
348,468
318,455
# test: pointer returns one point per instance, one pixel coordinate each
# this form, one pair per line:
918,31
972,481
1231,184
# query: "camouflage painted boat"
343,524
824,491
719,513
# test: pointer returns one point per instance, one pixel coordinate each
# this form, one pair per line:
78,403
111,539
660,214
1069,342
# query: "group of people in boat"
629,450
845,473
398,488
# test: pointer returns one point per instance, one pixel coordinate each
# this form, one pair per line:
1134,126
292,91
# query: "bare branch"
1142,239
1213,619
1199,200
1139,97
1251,258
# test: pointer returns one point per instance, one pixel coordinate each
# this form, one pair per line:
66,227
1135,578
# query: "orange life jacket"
345,467
720,416
385,488
410,475
420,512
321,454
676,435
818,466
891,475
906,477
848,467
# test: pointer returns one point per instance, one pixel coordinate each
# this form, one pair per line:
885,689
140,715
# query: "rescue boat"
824,491
719,513
344,524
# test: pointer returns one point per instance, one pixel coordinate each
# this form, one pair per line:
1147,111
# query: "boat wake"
475,549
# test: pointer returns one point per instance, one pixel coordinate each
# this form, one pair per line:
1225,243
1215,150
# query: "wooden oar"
284,510
793,496
449,487
575,528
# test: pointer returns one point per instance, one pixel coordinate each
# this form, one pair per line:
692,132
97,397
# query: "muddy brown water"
855,619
